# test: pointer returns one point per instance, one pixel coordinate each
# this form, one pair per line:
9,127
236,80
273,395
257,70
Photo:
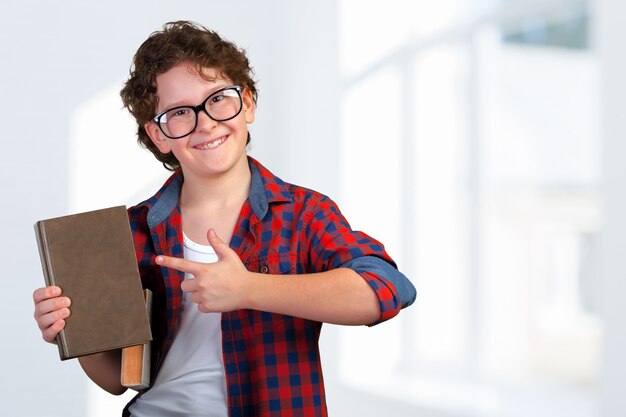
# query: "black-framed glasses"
223,104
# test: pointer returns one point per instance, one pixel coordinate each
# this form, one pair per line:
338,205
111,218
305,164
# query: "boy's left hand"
217,287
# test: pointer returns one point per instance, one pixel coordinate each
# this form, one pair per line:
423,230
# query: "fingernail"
56,291
159,259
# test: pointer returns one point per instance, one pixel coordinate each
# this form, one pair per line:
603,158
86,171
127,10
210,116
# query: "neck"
229,188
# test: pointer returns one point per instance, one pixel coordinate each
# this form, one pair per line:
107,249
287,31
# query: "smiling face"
213,148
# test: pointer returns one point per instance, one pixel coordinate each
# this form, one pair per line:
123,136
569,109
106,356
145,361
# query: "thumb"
221,248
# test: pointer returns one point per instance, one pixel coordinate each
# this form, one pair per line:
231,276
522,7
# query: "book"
135,372
91,256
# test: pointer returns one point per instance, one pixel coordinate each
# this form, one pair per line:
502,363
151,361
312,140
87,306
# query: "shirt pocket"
274,263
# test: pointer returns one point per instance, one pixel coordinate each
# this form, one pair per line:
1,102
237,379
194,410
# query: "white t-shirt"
191,381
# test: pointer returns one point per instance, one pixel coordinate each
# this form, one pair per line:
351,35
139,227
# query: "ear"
157,137
248,105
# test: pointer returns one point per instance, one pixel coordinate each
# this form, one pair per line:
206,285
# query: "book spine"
48,274
42,245
147,348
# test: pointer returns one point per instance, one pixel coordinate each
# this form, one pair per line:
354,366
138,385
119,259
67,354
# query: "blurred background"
481,140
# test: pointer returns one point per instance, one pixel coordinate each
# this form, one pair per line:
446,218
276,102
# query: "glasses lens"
224,105
178,122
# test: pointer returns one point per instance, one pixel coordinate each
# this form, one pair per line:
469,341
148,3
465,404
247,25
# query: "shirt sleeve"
333,244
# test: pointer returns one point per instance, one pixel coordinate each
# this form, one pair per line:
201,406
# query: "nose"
205,123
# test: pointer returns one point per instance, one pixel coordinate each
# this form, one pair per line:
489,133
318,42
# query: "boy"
244,267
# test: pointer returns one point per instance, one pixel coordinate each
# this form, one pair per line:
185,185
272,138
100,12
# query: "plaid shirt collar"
265,188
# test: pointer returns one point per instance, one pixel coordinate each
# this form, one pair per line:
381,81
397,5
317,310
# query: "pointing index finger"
178,264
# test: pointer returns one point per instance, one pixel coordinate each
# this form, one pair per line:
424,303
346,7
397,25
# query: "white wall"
611,33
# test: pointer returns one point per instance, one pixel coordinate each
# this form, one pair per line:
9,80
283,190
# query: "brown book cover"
91,256
136,359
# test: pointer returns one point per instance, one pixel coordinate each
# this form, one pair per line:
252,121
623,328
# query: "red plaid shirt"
272,361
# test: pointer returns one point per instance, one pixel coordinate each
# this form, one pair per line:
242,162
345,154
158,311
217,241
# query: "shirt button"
264,269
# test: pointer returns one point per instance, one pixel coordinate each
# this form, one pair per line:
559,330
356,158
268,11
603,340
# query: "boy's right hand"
51,310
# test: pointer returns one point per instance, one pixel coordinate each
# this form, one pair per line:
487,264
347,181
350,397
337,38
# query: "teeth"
210,145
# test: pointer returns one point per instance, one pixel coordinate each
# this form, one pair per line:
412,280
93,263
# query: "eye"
217,98
184,111
177,114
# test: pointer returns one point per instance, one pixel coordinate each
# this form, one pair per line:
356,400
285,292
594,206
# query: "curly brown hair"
179,42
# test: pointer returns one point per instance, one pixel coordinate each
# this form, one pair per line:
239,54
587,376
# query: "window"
486,169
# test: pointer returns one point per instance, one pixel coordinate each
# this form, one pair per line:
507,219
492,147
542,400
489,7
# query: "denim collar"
265,188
